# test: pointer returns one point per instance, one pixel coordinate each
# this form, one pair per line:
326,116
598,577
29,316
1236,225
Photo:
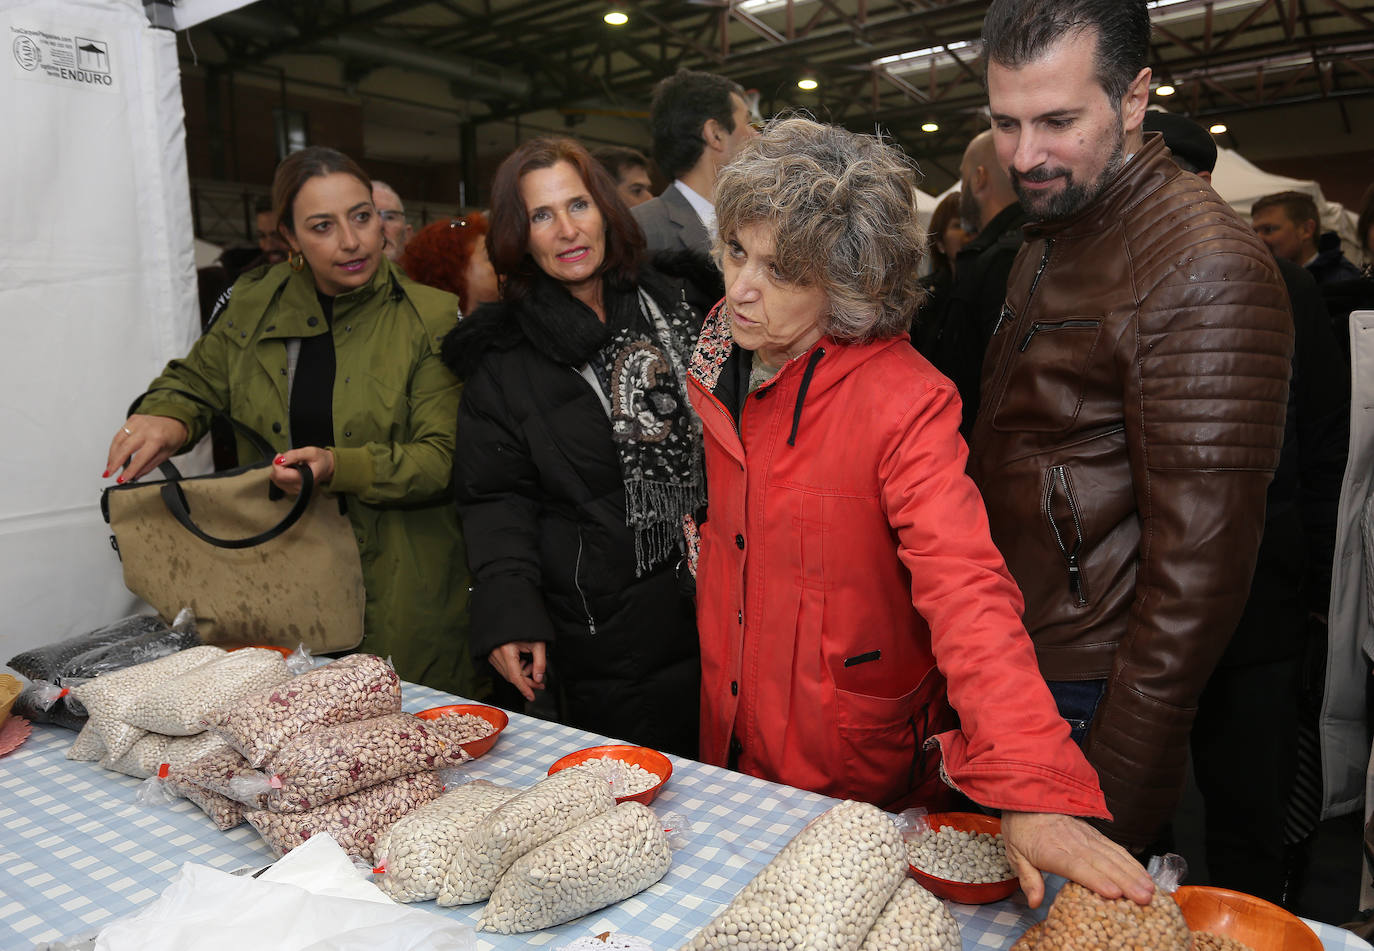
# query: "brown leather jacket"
1133,408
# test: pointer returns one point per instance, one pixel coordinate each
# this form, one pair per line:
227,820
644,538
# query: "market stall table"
78,851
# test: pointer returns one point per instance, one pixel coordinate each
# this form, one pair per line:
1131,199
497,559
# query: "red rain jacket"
844,504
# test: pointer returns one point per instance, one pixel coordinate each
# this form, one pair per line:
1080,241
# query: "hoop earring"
297,261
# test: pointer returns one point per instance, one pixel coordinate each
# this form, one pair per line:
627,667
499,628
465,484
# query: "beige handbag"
256,565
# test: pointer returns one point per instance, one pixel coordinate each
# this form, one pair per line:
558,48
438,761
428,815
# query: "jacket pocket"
1044,389
881,738
1059,506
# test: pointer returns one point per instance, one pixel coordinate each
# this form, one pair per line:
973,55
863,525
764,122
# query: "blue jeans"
1077,701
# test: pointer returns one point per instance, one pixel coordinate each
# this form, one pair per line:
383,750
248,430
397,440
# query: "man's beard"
1074,196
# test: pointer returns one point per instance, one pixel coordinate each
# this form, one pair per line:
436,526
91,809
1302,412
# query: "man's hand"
1046,842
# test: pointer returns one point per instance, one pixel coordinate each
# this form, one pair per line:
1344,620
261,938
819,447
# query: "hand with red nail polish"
142,444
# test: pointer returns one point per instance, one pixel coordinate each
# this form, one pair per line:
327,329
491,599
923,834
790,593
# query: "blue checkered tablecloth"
77,851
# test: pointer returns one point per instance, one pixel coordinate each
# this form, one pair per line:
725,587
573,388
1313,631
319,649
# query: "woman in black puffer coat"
578,455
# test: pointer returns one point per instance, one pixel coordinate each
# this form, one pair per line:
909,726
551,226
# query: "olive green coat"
395,409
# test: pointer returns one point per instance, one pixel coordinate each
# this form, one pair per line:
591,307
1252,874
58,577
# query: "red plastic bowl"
1251,921
967,893
641,756
497,717
284,651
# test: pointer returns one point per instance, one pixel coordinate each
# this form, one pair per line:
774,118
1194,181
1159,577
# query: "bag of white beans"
356,687
414,856
314,768
154,749
176,707
604,860
825,889
549,807
913,920
108,698
355,821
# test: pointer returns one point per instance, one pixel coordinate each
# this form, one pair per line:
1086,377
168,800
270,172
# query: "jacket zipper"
1004,370
577,583
1059,478
1040,325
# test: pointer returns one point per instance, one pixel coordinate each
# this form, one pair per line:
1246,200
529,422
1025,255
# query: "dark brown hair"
439,253
508,241
1298,207
298,168
945,212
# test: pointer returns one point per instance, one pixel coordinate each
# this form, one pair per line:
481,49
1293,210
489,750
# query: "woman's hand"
320,461
1041,841
523,664
142,444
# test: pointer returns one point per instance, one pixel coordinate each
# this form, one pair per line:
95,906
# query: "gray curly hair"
843,210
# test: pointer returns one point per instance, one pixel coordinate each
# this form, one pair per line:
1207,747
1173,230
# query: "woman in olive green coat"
334,358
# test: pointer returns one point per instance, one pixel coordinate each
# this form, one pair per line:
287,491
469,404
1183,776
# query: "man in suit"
699,122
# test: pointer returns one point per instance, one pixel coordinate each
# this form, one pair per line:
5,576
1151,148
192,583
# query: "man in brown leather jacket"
1133,397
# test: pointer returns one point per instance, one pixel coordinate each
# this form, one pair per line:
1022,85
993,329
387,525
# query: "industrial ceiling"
909,67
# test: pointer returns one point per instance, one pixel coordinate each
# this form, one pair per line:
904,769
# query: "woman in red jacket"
850,599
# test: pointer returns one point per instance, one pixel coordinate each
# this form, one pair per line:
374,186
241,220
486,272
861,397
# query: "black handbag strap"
255,439
175,500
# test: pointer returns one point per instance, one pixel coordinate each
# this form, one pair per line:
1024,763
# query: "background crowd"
731,472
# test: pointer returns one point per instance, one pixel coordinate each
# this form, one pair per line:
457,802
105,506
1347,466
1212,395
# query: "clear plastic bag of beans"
414,856
913,920
825,889
356,687
176,707
1081,918
551,806
130,652
604,860
314,768
107,698
355,821
46,662
216,771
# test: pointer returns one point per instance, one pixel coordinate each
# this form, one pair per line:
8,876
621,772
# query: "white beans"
630,778
959,856
825,889
154,749
108,698
419,848
598,863
176,707
351,688
314,768
913,920
548,808
354,820
466,727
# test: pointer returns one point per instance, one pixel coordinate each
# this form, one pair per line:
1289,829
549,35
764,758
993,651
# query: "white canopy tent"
97,288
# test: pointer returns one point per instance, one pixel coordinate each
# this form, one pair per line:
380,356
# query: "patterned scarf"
642,368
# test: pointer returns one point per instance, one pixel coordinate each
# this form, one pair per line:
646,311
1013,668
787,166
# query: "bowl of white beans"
640,777
477,725
961,857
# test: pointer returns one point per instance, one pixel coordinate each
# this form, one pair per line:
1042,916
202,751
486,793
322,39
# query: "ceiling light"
1164,89
930,127
616,18
939,56
1218,128
808,83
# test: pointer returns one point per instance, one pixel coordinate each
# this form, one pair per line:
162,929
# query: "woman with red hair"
578,455
451,255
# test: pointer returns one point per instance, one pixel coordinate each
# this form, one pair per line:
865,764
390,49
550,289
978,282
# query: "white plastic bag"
312,900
